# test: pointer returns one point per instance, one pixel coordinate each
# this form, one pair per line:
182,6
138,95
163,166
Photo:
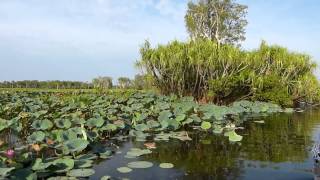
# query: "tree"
102,82
222,21
124,82
142,82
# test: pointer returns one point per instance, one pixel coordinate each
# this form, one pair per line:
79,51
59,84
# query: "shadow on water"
277,149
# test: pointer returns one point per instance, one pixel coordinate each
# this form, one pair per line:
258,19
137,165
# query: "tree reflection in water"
282,138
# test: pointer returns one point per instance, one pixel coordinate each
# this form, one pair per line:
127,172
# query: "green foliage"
124,82
222,21
101,83
226,74
66,134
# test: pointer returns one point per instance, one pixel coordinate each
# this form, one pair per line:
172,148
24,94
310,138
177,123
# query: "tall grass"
223,74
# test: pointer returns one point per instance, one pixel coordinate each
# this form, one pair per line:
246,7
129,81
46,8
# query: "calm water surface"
278,149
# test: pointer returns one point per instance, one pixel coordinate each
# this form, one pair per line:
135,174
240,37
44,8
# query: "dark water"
278,149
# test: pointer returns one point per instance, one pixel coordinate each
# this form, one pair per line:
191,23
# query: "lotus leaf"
166,165
81,172
37,136
63,164
124,169
233,136
86,157
68,135
135,152
63,123
153,124
173,124
140,164
180,117
40,165
25,173
95,122
187,121
3,124
4,171
76,145
83,163
62,178
105,178
141,127
164,115
205,125
217,129
110,127
42,124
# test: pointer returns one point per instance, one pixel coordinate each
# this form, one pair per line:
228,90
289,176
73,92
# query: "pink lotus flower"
10,153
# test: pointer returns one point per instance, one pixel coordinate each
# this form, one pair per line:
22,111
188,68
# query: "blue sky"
82,39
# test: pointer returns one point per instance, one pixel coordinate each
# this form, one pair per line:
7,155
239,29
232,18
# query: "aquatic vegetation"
124,169
63,135
166,165
224,73
140,164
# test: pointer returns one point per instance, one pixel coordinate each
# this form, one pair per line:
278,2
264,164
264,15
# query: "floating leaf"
140,164
81,172
233,136
42,124
76,145
166,165
141,127
110,127
63,123
95,122
37,136
205,125
83,163
105,178
39,165
259,122
4,171
124,169
63,164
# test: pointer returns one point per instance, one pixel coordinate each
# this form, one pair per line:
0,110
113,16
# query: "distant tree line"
106,82
46,84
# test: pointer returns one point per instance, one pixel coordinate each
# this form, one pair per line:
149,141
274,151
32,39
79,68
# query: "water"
278,149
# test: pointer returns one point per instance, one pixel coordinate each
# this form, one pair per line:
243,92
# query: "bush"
225,73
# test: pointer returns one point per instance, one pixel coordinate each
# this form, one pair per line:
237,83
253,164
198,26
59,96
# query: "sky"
82,39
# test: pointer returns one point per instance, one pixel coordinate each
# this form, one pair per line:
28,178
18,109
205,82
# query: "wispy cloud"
81,39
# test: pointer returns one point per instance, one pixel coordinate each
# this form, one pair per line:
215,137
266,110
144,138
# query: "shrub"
225,73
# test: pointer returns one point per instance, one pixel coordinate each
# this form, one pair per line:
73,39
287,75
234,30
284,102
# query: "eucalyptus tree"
222,21
102,82
141,81
124,82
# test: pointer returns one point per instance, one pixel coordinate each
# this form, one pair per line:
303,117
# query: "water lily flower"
10,153
36,147
150,145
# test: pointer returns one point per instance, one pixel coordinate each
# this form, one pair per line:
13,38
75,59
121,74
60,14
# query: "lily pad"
205,125
140,164
124,169
42,124
81,172
37,136
95,122
166,165
5,171
76,145
63,123
234,137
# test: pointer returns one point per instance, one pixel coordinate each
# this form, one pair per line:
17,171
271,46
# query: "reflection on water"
277,149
